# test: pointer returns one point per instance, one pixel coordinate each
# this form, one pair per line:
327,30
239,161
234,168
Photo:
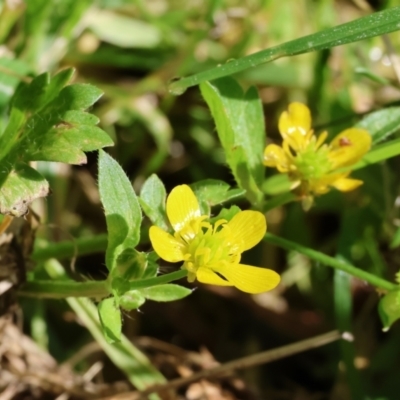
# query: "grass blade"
362,28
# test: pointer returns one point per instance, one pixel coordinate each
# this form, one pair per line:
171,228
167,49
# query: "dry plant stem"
245,362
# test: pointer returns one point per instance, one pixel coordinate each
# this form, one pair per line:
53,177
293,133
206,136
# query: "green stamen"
313,163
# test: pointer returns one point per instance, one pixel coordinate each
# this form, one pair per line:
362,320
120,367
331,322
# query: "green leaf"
23,185
47,123
379,153
56,84
240,125
152,199
211,192
78,96
131,300
363,28
73,138
59,130
110,318
30,97
41,90
381,124
164,293
9,138
389,309
121,206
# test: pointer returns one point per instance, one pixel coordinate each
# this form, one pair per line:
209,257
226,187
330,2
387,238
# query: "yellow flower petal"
165,245
274,156
246,229
206,275
295,125
182,207
346,184
349,147
318,187
249,279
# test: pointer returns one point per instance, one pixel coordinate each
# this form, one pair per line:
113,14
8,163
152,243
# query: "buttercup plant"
210,251
312,165
154,243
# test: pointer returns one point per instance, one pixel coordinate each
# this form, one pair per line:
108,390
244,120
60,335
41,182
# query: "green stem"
159,280
93,289
279,200
332,262
71,248
63,289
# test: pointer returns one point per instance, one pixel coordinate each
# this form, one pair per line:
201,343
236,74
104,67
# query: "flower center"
313,162
210,247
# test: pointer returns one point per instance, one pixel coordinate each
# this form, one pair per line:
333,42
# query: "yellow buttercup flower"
211,252
311,164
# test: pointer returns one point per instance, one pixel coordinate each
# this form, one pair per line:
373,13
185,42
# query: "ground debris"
28,372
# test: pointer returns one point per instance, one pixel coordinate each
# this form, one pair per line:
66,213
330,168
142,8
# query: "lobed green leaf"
47,123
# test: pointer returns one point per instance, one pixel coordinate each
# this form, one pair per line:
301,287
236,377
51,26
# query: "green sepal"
164,293
389,309
110,318
131,300
152,265
130,264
